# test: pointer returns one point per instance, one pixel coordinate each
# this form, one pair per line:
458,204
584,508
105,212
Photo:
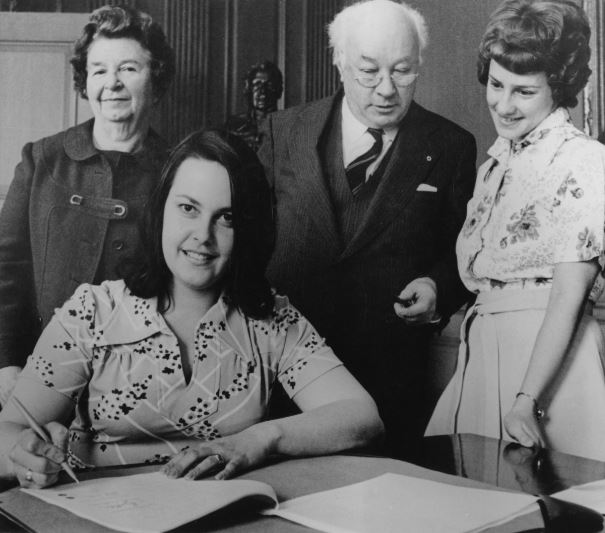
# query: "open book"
388,503
153,502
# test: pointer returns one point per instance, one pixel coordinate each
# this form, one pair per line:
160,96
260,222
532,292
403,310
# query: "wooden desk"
460,455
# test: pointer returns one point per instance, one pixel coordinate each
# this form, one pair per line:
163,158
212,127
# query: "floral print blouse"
537,202
114,356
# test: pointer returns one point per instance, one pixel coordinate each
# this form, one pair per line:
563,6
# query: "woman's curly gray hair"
114,22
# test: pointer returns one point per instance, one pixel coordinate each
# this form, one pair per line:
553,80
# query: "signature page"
392,503
152,502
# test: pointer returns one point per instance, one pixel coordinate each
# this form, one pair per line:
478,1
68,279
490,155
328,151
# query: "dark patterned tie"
356,170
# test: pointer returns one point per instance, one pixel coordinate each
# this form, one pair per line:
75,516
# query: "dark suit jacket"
410,229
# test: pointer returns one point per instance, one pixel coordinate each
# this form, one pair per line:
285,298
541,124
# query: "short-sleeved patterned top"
537,202
114,354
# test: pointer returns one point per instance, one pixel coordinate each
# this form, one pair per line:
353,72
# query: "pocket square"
425,187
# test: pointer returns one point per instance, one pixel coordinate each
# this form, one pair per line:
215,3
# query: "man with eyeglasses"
371,191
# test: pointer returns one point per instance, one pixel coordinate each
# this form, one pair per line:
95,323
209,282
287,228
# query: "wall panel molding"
183,108
321,77
594,95
94,4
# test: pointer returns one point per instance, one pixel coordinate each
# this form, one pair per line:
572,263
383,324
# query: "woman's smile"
199,258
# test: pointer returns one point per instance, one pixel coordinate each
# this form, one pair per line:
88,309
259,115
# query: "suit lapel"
411,158
304,154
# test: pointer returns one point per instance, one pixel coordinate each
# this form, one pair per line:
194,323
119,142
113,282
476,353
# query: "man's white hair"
350,18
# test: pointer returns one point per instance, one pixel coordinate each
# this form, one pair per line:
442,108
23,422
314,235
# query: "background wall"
216,42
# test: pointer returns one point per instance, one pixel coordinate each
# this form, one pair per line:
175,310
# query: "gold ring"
29,475
220,460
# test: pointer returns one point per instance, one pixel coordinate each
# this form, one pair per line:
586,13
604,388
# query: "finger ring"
220,460
29,475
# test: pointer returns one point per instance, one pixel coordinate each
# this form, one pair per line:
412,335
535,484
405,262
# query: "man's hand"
417,303
8,378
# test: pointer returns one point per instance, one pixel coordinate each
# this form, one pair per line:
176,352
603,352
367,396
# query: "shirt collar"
135,319
502,148
353,129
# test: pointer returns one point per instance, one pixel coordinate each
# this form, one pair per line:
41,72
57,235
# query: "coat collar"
413,154
303,142
79,146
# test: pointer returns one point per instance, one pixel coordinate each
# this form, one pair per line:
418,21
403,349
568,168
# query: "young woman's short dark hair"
553,37
245,285
114,22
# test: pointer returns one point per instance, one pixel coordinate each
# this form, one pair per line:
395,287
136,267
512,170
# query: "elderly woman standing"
72,207
531,360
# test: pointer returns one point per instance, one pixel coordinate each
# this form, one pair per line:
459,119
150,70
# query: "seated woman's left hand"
522,424
224,457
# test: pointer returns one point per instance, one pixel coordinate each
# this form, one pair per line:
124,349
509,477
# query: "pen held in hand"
41,432
408,302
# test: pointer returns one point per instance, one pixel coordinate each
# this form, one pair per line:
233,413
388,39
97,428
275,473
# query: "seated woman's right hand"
36,463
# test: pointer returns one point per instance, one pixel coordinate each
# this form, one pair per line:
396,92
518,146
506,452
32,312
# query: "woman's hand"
225,457
522,424
36,463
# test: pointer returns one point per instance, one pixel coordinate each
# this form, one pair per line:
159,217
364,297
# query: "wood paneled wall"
183,108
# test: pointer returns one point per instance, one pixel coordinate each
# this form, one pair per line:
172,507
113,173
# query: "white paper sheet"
146,503
392,503
591,495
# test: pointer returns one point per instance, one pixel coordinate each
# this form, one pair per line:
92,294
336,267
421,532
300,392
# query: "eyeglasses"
398,79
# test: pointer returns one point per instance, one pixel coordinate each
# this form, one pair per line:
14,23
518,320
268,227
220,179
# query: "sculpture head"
263,87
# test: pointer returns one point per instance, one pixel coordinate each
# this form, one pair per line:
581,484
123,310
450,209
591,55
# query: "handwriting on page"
149,502
114,500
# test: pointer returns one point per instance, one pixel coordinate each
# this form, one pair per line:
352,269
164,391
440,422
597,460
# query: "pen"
42,434
408,302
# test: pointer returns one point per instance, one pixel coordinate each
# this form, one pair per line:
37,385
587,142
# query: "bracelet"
538,411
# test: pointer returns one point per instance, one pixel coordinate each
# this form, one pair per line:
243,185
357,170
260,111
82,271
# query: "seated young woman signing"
179,358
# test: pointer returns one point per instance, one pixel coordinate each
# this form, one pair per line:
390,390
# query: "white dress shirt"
356,140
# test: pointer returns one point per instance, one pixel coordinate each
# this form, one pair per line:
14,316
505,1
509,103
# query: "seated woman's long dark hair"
245,285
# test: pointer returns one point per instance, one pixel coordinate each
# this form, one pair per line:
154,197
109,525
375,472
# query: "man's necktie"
356,171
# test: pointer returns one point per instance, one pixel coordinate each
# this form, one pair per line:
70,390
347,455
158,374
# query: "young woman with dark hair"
180,358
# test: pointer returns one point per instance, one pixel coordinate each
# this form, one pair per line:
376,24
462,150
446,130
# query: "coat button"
117,244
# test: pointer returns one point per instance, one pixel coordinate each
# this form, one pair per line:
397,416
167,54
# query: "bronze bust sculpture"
263,88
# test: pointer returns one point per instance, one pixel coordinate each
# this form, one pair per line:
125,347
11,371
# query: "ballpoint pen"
42,434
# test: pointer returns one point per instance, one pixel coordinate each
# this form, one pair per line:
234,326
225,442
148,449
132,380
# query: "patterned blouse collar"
135,319
502,148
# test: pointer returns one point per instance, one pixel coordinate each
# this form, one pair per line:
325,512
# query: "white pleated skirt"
497,339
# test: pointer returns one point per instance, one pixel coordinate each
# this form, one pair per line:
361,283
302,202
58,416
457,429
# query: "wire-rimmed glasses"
398,78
